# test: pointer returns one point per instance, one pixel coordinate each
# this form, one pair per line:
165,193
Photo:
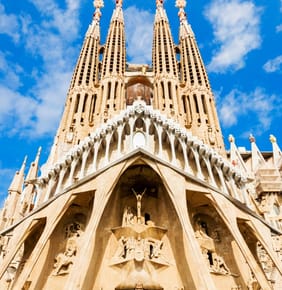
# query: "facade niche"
22,255
259,252
139,90
216,243
63,247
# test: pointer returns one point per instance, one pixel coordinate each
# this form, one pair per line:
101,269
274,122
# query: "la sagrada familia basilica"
139,191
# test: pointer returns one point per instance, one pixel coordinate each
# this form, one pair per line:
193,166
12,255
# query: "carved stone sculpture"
63,261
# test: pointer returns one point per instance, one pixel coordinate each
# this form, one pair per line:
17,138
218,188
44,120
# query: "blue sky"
240,42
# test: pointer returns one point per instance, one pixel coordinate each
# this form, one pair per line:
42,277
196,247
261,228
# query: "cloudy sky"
240,42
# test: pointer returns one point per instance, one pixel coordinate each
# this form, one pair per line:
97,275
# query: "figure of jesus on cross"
139,205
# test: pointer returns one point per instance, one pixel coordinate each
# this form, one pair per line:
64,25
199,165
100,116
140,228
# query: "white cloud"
9,24
139,32
50,42
9,72
273,65
279,28
235,26
256,105
16,111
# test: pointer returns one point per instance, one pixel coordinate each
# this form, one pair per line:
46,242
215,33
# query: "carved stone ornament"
64,260
140,248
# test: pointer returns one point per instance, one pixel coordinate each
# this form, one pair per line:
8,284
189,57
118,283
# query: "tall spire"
17,183
80,109
28,194
198,108
164,65
113,67
15,191
86,71
114,57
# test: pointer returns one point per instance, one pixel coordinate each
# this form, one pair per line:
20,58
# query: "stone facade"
138,191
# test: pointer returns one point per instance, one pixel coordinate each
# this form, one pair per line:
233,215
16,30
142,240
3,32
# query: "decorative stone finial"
98,4
231,138
39,151
272,139
119,3
180,4
159,2
252,138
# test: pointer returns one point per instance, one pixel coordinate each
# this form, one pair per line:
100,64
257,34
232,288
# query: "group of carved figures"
139,249
214,261
64,260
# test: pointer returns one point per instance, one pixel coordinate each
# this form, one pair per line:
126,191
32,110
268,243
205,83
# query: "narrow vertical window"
77,103
84,103
196,104
109,90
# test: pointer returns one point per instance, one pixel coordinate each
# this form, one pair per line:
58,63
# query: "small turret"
29,193
15,191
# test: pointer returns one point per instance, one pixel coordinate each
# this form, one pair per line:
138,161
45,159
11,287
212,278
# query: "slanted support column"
222,180
97,145
187,167
84,160
51,185
108,143
60,181
71,176
172,140
200,272
40,187
231,223
209,171
197,161
119,131
160,131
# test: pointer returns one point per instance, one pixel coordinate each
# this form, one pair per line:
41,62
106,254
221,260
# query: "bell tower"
81,111
198,109
164,65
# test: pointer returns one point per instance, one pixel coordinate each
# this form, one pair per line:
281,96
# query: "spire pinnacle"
272,139
98,4
17,182
185,28
181,4
119,3
252,139
231,138
32,173
38,152
159,2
